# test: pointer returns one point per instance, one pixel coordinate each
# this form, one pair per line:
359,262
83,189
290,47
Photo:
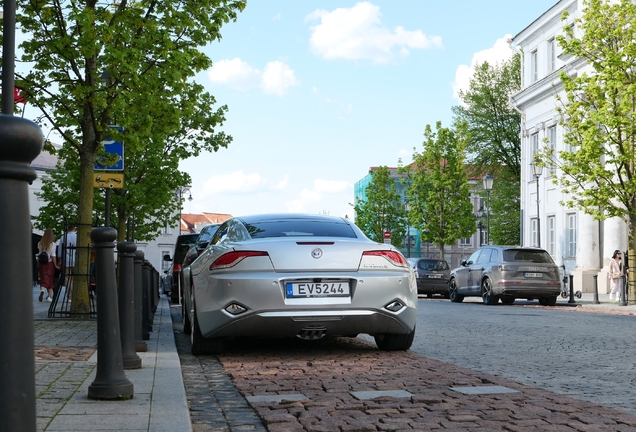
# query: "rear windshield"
305,228
433,265
527,255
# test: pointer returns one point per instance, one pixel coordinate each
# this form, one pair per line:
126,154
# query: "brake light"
231,259
396,258
176,268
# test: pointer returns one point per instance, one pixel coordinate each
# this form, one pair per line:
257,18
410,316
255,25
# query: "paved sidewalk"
65,363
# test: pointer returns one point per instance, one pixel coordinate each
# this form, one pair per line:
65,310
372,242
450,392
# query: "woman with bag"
47,264
615,275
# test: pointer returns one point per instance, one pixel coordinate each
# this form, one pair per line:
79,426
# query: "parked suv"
432,275
183,243
506,273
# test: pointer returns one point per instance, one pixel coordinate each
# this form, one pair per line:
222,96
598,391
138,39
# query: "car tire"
486,293
394,342
548,301
507,300
201,345
453,295
185,319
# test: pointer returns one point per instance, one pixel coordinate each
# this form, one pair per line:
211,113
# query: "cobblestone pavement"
298,386
60,367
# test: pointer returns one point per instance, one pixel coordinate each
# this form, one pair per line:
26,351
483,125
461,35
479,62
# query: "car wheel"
486,293
548,301
394,342
507,300
185,319
453,295
201,345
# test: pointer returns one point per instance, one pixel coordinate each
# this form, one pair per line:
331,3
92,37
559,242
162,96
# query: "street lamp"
537,170
182,190
480,225
488,181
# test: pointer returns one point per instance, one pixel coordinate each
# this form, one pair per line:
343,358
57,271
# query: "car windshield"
299,228
535,256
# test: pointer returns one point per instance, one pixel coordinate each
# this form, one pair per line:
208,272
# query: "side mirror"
463,263
167,258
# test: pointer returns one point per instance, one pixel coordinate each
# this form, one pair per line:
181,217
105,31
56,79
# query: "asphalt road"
588,356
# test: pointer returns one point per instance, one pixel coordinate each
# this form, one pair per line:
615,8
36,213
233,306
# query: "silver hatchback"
506,273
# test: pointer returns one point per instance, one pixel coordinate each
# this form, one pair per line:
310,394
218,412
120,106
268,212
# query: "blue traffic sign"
112,147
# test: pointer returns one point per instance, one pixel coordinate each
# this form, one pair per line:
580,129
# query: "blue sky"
319,91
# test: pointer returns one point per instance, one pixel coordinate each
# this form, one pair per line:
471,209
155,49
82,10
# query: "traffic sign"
387,237
108,180
112,147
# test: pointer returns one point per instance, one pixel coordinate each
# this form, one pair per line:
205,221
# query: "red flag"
17,96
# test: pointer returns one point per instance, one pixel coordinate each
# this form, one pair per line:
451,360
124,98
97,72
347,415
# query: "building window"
551,55
165,265
534,145
534,232
551,235
534,67
465,241
167,229
552,143
570,235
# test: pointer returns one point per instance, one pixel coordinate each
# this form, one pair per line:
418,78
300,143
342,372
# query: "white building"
571,236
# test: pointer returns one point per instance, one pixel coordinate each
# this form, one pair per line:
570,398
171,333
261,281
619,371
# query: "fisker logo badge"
316,253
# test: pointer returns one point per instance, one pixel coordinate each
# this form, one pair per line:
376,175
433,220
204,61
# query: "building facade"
574,240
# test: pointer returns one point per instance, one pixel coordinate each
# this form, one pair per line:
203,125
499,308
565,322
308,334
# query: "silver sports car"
295,275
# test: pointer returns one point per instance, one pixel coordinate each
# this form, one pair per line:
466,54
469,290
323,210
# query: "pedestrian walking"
615,275
47,262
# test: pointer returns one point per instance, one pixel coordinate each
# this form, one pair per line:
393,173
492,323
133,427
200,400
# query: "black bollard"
148,315
140,345
110,380
146,326
20,143
126,304
571,290
623,299
155,289
596,301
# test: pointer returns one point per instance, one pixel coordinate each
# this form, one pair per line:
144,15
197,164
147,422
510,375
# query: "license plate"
435,276
533,275
317,289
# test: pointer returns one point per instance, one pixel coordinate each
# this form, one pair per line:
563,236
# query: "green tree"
504,212
148,50
382,209
598,173
439,193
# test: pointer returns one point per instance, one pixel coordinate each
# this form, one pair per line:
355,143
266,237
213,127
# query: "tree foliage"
493,124
598,172
439,193
505,212
382,208
92,64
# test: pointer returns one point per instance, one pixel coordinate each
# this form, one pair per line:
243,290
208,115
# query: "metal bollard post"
155,289
147,319
110,380
20,143
623,299
571,290
596,301
140,345
127,304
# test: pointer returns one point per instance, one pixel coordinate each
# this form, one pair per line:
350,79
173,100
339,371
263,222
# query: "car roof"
280,217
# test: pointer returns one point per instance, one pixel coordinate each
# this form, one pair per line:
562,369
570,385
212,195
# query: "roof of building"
192,223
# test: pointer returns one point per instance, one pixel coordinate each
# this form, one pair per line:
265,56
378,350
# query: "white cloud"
239,75
318,195
277,78
499,52
357,34
240,182
234,73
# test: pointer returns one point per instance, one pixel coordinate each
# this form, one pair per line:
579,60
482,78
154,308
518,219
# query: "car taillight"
231,259
176,268
395,257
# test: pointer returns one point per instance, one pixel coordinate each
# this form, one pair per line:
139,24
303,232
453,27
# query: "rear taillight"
396,258
231,259
176,268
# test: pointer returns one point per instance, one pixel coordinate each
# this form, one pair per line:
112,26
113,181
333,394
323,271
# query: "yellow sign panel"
108,180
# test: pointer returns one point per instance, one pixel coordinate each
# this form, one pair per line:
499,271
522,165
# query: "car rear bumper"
432,286
530,293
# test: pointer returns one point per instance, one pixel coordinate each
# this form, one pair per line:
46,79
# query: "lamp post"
182,190
480,225
537,170
487,183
